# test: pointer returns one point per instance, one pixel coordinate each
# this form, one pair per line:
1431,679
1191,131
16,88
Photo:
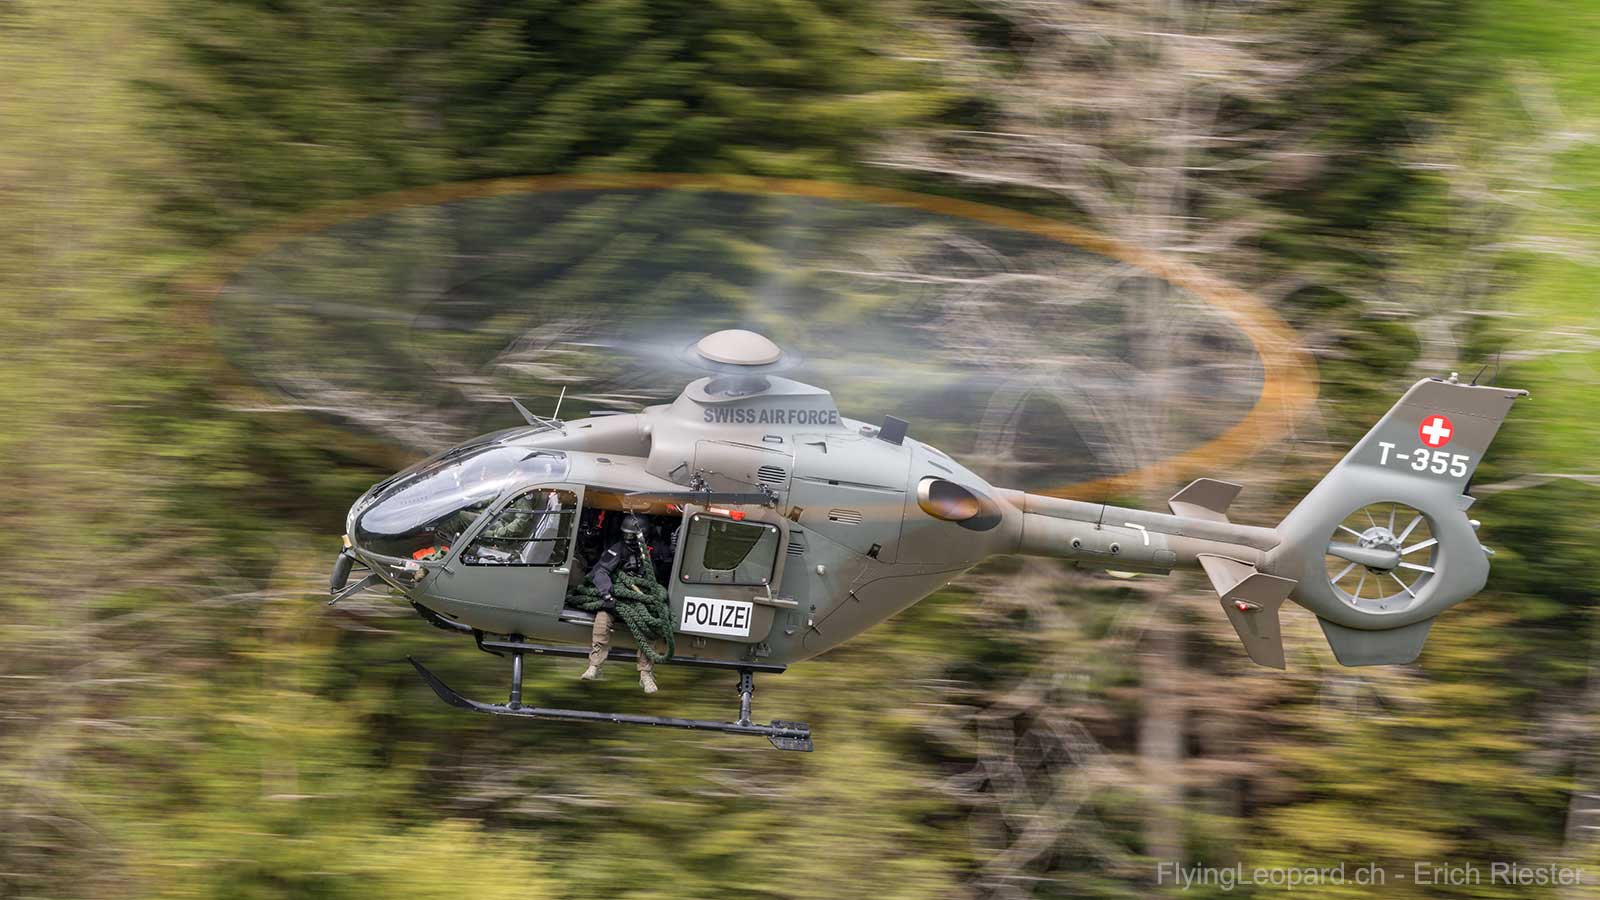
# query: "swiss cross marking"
1435,431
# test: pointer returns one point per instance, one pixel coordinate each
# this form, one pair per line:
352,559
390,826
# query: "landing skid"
783,735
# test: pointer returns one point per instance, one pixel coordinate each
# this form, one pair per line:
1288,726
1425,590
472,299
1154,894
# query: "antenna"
528,417
1485,368
556,416
531,419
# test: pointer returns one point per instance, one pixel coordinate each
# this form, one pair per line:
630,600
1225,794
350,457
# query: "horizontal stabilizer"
1251,601
1204,498
1354,647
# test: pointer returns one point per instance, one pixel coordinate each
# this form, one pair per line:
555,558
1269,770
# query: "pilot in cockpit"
524,533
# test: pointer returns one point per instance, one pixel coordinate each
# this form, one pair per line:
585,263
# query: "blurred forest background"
1414,185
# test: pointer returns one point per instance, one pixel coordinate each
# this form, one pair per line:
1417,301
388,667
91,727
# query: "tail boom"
1097,535
1200,536
1420,456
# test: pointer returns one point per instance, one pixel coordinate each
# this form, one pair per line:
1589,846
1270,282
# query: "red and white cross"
1435,431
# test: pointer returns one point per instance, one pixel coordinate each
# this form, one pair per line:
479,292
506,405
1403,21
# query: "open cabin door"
723,576
518,557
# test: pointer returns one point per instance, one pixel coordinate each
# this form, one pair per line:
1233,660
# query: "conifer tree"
284,105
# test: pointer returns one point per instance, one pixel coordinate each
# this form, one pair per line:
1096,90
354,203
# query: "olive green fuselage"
859,527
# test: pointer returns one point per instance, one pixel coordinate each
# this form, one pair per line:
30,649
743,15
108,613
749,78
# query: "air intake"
845,516
775,476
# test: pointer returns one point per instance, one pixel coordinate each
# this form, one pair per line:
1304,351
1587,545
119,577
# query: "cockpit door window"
533,529
722,551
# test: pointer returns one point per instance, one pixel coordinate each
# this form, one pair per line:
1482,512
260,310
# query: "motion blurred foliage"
179,716
283,106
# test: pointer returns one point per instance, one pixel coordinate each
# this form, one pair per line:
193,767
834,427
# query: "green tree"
284,105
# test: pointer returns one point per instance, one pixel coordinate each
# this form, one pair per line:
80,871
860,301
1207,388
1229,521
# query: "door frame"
764,603
495,585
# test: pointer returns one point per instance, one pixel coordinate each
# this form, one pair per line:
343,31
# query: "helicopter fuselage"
782,529
854,522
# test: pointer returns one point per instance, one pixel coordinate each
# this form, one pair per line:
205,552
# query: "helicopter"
788,528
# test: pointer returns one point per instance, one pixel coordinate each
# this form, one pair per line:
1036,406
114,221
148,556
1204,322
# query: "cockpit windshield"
420,513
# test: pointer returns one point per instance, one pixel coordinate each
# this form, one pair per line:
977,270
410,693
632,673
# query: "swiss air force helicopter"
782,529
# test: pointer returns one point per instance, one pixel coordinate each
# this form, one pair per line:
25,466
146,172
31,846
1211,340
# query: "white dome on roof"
737,347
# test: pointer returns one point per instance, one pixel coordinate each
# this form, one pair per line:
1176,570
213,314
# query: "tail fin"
1251,600
1382,545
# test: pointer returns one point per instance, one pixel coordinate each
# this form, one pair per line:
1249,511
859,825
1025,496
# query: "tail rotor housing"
1383,544
1382,557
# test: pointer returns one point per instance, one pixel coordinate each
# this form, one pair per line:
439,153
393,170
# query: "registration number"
1424,460
711,615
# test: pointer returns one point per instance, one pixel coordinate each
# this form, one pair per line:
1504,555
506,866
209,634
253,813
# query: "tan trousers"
600,642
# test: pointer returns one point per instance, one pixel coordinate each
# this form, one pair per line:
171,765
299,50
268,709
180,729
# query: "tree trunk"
1161,735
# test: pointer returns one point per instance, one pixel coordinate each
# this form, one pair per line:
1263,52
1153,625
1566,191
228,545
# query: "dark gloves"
602,583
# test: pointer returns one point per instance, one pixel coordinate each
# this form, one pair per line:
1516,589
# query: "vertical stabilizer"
1383,544
1251,600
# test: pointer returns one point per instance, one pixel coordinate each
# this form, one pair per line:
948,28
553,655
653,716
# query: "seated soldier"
628,555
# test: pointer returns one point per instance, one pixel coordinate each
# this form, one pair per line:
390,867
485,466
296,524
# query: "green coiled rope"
640,602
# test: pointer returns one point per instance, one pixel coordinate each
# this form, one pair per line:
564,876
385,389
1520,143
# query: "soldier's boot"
599,645
647,673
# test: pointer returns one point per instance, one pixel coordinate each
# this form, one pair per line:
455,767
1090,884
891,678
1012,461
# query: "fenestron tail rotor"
1381,556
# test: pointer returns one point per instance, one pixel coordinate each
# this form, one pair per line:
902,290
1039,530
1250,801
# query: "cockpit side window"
534,529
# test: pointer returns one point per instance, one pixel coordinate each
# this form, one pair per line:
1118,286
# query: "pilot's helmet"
632,525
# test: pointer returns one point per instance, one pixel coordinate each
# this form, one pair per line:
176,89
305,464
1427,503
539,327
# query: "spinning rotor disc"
1021,344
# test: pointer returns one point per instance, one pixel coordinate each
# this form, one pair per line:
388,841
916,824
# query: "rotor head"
738,352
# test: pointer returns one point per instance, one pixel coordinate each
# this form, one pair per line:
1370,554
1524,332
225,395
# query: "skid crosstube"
783,735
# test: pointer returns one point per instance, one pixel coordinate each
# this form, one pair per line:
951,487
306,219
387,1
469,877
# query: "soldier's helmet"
632,525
